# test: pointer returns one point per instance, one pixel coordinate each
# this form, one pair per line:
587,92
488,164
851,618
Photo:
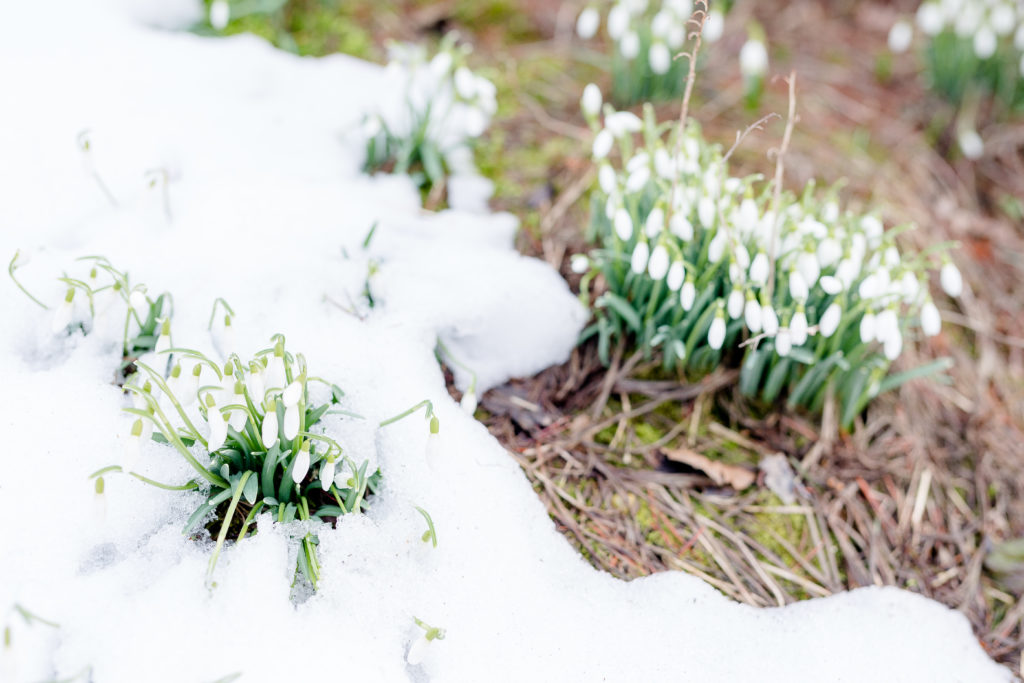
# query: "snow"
269,211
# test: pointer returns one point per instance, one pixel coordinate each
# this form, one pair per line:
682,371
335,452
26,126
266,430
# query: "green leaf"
752,369
336,393
329,511
269,466
776,379
251,489
893,381
196,516
622,307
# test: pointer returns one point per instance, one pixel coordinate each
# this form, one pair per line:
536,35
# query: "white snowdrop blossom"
687,295
830,320
716,333
797,286
62,316
603,142
579,263
591,101
658,265
432,452
798,328
783,342
163,341
660,58
468,402
629,45
900,36
753,59
970,143
300,466
951,280
676,274
327,470
714,26
931,320
867,327
641,254
769,320
588,22
623,225
270,430
752,315
220,14
759,268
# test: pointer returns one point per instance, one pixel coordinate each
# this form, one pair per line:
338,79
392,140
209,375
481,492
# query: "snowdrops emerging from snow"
971,44
441,106
688,268
247,451
646,37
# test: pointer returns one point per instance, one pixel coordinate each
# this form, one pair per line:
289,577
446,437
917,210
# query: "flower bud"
218,429
138,301
327,469
753,59
676,275
716,333
579,264
752,314
629,45
292,394
291,422
300,466
62,316
588,23
658,265
798,327
163,341
798,286
951,280
618,21
687,295
469,402
591,101
623,225
269,430
900,36
641,254
655,222
931,320
220,14
867,327
660,58
606,178
783,342
829,322
99,505
681,227
735,303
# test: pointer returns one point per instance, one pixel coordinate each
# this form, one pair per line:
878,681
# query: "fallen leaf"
721,473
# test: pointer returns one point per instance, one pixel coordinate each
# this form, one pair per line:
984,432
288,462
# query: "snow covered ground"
269,210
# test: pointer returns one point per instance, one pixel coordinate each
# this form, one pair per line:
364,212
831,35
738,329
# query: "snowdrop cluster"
252,434
647,34
972,45
101,294
439,106
705,268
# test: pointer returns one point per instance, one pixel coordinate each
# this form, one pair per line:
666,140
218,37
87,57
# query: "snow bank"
268,210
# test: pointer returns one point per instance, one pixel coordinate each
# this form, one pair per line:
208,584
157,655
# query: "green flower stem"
213,311
424,403
227,522
251,516
447,352
13,266
174,400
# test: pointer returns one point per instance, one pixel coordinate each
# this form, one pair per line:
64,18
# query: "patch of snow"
269,211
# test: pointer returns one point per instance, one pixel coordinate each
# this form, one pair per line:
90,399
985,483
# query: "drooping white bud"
469,401
618,21
292,394
660,58
769,320
867,327
951,280
1003,19
300,466
606,178
798,328
830,284
433,449
716,248
591,101
829,252
893,344
797,286
655,222
759,269
931,320
623,224
237,416
676,275
735,304
629,45
62,316
716,333
681,227
900,36
638,179
714,26
138,301
579,263
587,23
133,445
706,212
687,295
275,377
970,143
752,315
783,342
220,14
641,253
327,469
658,265
807,264
269,431
163,341
622,123
985,42
465,84
291,422
753,59
929,18
603,142
829,322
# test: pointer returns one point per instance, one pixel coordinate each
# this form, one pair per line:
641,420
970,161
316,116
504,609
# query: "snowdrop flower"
681,227
735,303
220,14
62,316
752,314
783,342
769,320
716,248
687,295
579,264
622,123
676,274
829,252
591,101
133,446
970,143
716,333
655,222
623,225
984,42
327,470
629,46
929,18
603,142
951,280
900,36
139,303
660,58
188,388
706,211
830,284
224,338
270,430
163,341
847,271
829,322
606,178
254,382
753,59
440,64
1002,19
808,267
218,425
238,416
139,401
433,450
931,321
887,323
275,376
797,286
663,164
637,180
867,327
714,26
798,327
469,402
872,228
892,345
618,21
1018,38
658,266
588,23
759,269
290,399
641,253
300,466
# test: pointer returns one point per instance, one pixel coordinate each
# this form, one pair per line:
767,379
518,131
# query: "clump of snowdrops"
973,48
442,106
252,433
707,269
646,36
104,291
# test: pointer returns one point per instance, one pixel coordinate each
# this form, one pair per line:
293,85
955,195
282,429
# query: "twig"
777,192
